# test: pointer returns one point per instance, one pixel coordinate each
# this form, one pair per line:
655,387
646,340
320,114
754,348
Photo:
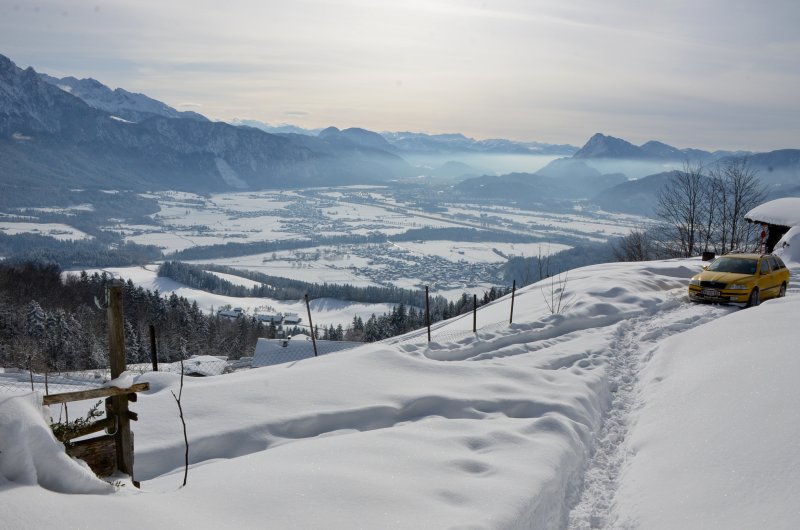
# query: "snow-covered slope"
633,407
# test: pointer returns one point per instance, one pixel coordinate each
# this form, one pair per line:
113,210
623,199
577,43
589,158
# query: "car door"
767,280
780,272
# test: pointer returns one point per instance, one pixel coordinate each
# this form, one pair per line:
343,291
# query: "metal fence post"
513,291
474,313
153,351
311,326
428,313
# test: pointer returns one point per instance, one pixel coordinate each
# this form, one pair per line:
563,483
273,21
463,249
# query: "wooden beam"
80,395
71,434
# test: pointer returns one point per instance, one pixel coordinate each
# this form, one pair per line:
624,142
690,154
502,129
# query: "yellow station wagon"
740,278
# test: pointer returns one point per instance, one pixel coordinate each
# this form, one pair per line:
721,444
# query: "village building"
234,313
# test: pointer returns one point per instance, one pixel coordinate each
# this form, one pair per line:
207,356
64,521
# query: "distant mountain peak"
328,131
603,146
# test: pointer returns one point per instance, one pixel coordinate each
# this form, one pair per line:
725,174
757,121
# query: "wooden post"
428,313
153,351
123,438
311,326
474,313
513,291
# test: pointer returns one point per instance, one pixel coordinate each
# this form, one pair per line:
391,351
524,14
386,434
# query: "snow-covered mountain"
118,102
627,408
422,143
51,137
284,128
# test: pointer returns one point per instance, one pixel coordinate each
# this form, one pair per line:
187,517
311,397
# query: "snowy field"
324,311
188,220
55,230
633,408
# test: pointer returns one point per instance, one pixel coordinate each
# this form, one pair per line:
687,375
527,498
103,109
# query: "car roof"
742,256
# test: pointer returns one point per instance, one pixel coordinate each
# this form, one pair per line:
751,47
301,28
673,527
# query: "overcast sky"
692,73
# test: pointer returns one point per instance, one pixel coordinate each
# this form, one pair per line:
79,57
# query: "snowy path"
633,341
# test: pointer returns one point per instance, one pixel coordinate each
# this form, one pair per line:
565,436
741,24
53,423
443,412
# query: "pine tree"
35,320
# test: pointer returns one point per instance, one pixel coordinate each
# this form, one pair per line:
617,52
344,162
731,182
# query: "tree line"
526,270
279,288
108,251
52,321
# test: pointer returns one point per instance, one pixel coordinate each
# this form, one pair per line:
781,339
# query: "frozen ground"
631,409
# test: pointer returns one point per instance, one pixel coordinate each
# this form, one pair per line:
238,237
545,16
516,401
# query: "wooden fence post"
427,313
311,326
123,438
513,291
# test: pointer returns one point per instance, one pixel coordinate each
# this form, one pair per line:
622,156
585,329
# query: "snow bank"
788,248
30,455
715,444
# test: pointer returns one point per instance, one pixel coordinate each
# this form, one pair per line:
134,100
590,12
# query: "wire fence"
27,376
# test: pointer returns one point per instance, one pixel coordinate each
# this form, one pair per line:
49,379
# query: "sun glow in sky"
703,73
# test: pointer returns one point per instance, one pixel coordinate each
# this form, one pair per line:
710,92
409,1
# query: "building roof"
781,212
277,351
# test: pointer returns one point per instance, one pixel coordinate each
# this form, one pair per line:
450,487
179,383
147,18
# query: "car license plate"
709,292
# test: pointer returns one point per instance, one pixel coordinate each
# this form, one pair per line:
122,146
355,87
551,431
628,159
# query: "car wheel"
782,292
754,298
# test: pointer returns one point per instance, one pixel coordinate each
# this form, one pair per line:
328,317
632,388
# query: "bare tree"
636,246
711,213
680,206
553,294
738,190
180,413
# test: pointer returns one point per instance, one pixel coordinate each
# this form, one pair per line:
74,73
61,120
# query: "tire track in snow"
633,340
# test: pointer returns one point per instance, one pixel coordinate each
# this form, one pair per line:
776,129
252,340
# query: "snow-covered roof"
277,351
783,212
201,365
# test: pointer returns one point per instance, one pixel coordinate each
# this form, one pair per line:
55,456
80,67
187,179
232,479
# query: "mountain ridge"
51,137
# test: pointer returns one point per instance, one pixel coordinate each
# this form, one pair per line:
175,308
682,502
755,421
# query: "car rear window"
778,262
764,266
